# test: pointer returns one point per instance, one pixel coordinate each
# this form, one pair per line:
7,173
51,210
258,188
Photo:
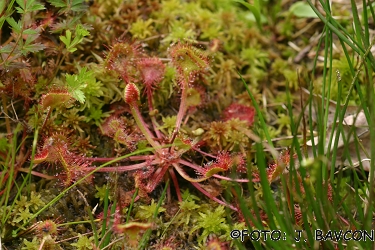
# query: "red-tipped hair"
152,72
122,58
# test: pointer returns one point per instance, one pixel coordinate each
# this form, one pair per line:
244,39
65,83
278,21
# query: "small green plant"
79,34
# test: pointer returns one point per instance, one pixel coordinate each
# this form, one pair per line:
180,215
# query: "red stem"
182,109
175,182
123,168
156,177
143,127
35,173
212,197
153,120
131,158
204,153
200,170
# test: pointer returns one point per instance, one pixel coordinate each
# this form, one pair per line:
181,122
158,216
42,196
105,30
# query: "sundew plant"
172,124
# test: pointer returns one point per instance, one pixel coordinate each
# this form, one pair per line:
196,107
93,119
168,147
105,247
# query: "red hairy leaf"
239,111
152,72
56,97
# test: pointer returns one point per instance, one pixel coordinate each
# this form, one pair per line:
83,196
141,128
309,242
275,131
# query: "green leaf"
2,6
80,32
36,6
20,10
30,39
302,9
28,6
74,87
78,5
31,48
30,32
22,7
255,9
58,3
78,83
6,49
16,26
69,5
71,50
67,38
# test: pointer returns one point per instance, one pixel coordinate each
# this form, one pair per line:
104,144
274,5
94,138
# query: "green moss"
141,29
84,242
212,222
147,212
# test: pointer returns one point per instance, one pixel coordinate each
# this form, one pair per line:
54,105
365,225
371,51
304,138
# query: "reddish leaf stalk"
182,109
175,182
143,127
124,168
200,170
212,197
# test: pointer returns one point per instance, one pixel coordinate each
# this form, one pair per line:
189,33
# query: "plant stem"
131,158
199,169
143,127
212,197
124,168
35,173
182,110
186,177
175,182
153,120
